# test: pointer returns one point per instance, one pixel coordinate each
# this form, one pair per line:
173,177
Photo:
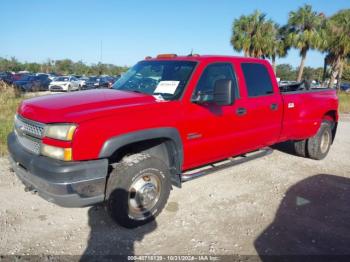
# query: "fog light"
60,153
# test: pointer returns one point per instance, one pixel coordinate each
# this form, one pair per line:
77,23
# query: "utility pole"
100,71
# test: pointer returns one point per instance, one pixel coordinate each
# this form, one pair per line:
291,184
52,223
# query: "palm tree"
305,27
277,46
242,30
253,35
338,43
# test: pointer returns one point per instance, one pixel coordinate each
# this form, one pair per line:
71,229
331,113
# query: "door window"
205,87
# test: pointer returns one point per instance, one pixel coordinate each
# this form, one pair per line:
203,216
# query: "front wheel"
319,145
138,190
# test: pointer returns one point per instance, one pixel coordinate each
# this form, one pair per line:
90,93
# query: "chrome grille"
31,144
29,133
29,127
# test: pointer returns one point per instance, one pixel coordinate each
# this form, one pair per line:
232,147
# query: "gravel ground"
279,204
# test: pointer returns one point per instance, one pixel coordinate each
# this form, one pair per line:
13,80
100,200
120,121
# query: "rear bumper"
68,184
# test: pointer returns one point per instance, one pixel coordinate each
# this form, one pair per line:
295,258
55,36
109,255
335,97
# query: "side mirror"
223,93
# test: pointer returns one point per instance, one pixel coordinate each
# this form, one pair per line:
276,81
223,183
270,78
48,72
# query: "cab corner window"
257,79
205,86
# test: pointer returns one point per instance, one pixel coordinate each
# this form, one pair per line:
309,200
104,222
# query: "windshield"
164,78
62,78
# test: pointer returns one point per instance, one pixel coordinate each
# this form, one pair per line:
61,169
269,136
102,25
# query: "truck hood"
80,106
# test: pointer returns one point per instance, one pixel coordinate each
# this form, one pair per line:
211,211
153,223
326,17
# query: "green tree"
305,32
338,43
285,72
242,29
79,68
64,66
313,73
346,72
253,35
277,46
32,67
11,65
47,66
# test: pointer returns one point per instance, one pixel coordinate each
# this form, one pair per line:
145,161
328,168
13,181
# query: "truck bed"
304,110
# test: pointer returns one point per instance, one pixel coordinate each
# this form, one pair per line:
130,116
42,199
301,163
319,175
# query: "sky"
128,31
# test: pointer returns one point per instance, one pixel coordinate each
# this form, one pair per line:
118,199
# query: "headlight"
60,132
60,153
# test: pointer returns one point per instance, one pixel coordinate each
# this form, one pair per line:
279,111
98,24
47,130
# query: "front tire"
319,145
137,190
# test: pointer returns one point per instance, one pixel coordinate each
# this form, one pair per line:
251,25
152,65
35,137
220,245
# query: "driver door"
213,132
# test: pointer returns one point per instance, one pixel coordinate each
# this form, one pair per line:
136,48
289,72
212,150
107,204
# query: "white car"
82,80
65,83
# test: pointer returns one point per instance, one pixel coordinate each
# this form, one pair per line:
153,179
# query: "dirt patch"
279,204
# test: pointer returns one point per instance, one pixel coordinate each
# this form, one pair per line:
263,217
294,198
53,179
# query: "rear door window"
257,79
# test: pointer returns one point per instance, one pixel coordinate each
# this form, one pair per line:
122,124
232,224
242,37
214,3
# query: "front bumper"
58,88
68,184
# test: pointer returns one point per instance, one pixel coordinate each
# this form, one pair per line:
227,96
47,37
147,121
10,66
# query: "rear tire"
319,145
300,147
137,190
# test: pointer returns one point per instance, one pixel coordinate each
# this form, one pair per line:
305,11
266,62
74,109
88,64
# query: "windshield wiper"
136,91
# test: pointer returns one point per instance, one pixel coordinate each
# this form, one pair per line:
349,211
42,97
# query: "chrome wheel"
325,141
144,194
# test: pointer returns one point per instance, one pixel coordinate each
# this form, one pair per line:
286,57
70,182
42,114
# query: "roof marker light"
166,56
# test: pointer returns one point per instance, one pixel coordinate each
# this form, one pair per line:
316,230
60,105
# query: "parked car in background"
345,87
99,82
82,81
7,77
18,76
64,83
53,76
110,80
33,83
91,83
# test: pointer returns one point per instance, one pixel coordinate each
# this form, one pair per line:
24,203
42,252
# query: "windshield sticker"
167,87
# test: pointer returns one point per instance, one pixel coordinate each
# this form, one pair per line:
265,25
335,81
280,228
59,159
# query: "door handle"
241,111
274,106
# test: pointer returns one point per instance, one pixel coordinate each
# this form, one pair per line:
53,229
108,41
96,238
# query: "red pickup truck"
127,146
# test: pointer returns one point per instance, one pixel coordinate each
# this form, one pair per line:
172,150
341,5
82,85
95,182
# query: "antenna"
191,54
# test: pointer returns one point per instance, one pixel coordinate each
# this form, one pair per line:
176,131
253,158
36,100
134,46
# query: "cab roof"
202,58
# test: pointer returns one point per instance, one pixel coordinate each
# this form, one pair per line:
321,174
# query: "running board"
233,161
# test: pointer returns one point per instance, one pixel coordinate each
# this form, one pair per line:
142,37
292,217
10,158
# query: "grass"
344,102
9,101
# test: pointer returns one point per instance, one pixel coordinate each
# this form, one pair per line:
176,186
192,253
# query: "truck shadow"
312,219
107,240
285,147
